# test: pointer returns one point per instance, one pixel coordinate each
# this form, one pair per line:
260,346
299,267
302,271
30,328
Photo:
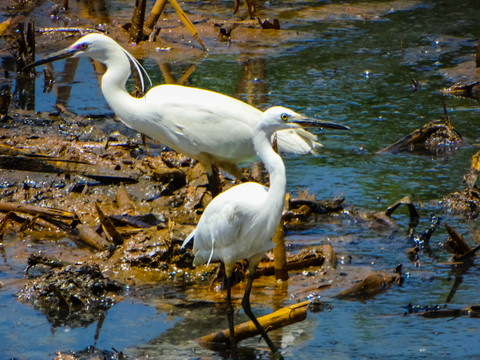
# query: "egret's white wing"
213,123
229,226
200,121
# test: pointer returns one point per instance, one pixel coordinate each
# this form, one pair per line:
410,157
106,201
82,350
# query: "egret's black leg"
230,318
248,311
144,141
214,183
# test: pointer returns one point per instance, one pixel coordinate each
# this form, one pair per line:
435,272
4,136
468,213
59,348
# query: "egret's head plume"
98,47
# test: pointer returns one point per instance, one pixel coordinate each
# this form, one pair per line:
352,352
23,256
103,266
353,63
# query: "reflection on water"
68,76
350,71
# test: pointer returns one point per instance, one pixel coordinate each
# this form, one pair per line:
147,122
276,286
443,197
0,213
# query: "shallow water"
352,71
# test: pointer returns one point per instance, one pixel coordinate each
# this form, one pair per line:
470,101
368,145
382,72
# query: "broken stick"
280,318
36,210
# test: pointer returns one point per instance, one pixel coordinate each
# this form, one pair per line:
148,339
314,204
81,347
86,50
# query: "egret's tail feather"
297,141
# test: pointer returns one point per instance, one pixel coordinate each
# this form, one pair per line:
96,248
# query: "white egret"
213,128
240,222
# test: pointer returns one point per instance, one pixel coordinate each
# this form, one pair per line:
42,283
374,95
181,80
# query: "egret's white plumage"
228,229
204,125
240,222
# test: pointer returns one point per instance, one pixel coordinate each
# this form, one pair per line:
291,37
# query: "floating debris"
441,311
372,285
467,201
436,137
461,89
72,296
91,353
266,24
457,246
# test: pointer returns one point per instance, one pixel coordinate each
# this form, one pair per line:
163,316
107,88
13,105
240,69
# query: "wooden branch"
89,237
136,28
280,318
372,285
108,227
294,262
36,210
414,216
455,244
123,199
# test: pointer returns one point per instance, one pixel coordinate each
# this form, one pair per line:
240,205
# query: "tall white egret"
240,222
213,128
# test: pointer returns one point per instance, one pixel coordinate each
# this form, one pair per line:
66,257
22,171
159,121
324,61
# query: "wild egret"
240,222
213,128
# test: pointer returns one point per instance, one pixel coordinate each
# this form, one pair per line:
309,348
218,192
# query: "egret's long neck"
114,80
275,167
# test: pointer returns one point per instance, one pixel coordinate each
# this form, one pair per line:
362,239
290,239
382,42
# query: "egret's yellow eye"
84,46
284,117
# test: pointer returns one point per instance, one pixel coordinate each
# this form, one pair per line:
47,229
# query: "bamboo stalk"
155,15
186,21
279,251
279,254
280,318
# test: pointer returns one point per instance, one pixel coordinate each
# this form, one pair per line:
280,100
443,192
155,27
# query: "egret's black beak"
310,122
62,54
